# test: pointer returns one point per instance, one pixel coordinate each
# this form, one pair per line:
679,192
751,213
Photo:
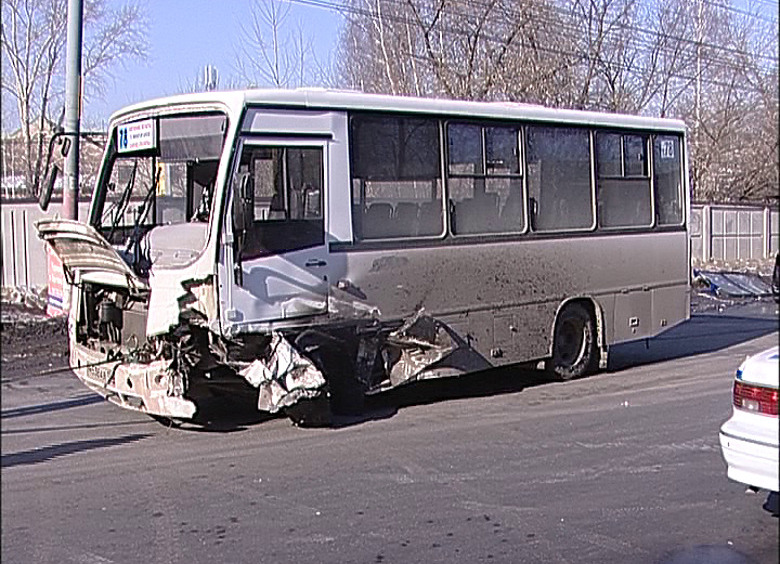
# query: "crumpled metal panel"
284,378
152,387
81,248
421,342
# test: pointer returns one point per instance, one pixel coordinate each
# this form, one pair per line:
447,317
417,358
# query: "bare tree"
733,111
275,51
713,64
33,48
492,49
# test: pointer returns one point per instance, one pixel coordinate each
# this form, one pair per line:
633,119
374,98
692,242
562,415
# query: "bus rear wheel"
575,351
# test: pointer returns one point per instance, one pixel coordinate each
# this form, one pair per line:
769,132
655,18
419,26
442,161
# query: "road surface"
502,466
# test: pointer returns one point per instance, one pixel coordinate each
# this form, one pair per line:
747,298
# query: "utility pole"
697,119
73,86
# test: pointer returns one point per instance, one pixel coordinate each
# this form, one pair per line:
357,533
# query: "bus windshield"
160,171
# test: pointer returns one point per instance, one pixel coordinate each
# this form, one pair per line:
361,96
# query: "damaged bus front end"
129,344
187,288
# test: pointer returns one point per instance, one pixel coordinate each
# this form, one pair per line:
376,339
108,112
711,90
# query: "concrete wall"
730,233
724,233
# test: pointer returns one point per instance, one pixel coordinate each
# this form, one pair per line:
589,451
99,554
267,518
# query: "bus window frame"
681,186
593,227
380,242
483,124
447,237
649,137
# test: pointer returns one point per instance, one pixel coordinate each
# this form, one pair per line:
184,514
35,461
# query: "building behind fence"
722,234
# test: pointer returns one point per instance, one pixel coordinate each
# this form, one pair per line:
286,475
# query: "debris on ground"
32,300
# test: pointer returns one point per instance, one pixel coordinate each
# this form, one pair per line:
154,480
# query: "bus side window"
623,182
396,177
287,197
559,178
484,179
667,178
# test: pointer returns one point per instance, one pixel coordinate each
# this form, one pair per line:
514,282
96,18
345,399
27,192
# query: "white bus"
310,246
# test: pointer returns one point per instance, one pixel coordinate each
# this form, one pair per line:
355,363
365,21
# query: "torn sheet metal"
418,344
200,297
284,378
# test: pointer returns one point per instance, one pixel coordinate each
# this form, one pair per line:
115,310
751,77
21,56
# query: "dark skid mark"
44,454
29,430
51,406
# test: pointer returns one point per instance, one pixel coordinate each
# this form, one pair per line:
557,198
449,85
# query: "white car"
749,439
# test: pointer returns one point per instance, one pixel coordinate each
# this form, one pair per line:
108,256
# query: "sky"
186,35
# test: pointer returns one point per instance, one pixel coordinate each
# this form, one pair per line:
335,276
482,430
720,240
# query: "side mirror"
48,188
65,148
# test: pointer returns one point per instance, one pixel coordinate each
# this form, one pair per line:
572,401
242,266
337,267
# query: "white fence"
24,254
732,234
727,233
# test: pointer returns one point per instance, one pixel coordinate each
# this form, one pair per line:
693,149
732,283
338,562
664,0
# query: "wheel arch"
596,310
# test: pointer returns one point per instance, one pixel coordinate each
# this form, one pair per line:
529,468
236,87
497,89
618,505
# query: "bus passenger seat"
430,218
406,218
377,222
512,213
489,201
464,216
477,215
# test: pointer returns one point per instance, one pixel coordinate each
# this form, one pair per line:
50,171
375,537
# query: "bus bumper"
153,388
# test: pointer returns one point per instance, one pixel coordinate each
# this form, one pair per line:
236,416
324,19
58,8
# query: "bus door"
274,264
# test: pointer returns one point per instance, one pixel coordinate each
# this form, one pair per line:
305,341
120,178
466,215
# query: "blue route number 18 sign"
136,136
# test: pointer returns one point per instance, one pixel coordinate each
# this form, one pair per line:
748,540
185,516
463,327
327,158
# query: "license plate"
99,373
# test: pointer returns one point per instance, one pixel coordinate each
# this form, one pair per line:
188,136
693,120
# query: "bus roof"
324,99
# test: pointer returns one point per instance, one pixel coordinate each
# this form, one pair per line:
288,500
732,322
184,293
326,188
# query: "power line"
735,10
348,9
345,9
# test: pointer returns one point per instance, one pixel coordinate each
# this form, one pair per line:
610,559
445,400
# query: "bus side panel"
502,297
670,306
633,315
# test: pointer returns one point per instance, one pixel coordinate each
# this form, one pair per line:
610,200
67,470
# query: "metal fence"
719,233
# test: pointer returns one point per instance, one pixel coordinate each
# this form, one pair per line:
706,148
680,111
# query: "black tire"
335,361
575,350
166,421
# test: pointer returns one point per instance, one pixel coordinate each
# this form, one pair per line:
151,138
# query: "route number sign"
136,136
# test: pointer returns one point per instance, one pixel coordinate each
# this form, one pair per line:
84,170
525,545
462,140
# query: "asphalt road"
499,467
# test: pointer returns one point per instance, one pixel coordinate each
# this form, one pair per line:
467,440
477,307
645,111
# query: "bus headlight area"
153,387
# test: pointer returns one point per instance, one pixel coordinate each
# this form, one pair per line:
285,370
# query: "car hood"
761,369
81,248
